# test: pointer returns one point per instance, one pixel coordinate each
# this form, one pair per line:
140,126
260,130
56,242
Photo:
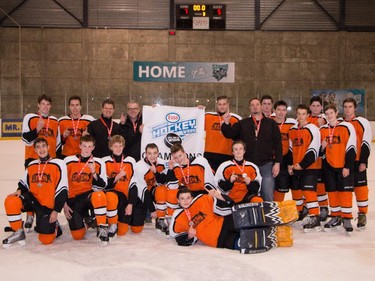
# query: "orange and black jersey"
196,176
215,141
238,189
284,131
146,179
321,118
363,132
127,184
304,145
79,175
206,214
50,132
76,127
340,152
47,181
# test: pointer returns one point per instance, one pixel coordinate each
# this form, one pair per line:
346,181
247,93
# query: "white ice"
151,256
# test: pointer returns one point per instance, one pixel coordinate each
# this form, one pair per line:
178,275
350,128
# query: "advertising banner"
204,72
167,125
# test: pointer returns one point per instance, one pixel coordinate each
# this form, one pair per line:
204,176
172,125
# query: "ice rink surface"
151,256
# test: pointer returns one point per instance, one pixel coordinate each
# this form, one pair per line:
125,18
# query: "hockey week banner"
167,125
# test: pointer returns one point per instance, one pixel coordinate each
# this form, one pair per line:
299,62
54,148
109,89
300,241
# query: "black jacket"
132,138
100,133
260,150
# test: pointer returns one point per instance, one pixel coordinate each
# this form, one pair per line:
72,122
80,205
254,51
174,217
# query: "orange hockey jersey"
215,140
195,176
47,182
76,128
239,189
207,217
50,132
80,178
341,151
304,144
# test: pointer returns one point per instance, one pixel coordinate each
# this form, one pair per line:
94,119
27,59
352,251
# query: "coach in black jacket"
263,140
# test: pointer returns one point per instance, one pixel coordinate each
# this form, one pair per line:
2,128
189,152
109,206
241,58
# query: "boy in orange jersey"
318,118
39,125
238,178
87,180
126,204
304,139
339,151
43,190
152,175
194,173
364,137
283,180
217,147
72,127
205,218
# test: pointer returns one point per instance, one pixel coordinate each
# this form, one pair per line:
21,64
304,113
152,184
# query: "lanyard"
40,174
330,133
109,130
281,125
187,212
241,169
257,128
47,127
79,164
186,178
75,127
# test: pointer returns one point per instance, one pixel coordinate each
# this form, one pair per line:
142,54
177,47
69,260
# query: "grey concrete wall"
97,63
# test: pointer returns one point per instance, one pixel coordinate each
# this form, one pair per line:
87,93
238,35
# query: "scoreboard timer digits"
187,16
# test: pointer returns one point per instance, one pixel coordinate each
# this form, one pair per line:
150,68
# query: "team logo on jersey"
219,71
284,136
45,178
198,218
216,126
114,174
81,177
298,142
46,133
191,179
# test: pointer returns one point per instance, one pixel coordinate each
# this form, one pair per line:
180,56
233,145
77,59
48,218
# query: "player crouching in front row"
43,190
87,180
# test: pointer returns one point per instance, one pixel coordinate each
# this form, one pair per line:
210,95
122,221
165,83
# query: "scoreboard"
200,16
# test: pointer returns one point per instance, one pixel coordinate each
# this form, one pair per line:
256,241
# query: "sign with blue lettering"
203,72
168,125
11,127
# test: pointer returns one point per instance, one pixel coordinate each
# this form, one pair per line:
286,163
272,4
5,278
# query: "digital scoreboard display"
200,16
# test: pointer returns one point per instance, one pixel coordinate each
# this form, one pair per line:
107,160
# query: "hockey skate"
347,224
333,223
29,223
361,221
323,213
102,234
162,225
17,238
112,231
313,224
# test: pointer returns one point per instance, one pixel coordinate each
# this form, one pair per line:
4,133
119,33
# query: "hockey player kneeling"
263,226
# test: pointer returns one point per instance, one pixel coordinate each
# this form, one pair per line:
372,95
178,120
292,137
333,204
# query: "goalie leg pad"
253,241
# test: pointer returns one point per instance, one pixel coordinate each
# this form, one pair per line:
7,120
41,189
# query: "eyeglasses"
134,108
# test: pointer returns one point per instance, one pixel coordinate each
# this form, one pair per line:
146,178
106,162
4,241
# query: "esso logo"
172,117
